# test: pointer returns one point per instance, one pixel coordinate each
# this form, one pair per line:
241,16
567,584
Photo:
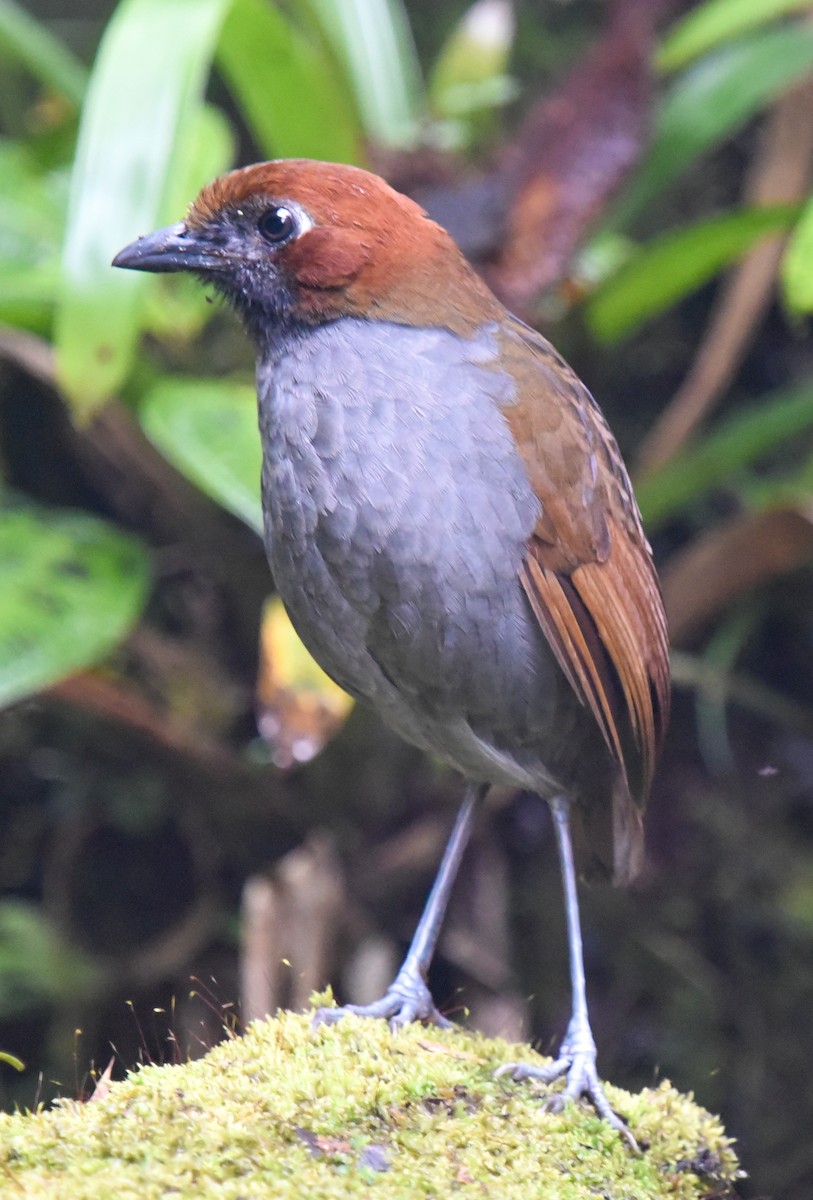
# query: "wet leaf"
72,588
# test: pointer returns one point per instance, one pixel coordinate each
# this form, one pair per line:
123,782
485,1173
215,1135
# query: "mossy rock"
291,1112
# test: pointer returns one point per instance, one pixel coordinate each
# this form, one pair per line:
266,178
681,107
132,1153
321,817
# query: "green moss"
354,1110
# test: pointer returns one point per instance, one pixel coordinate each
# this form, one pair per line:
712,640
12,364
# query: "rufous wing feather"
623,599
604,623
590,581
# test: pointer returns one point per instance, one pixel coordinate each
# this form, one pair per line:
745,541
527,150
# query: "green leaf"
25,39
670,267
27,297
38,968
797,265
175,306
289,89
208,430
32,205
470,68
736,443
374,41
207,151
713,100
718,21
601,257
11,1060
72,588
159,52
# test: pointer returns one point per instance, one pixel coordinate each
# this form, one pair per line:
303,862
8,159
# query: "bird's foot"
407,999
578,1067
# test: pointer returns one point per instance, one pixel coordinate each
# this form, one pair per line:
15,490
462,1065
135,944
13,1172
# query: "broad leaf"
718,21
374,41
142,104
176,304
72,588
208,430
712,101
672,266
289,88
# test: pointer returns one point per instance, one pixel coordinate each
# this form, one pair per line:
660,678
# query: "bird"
450,525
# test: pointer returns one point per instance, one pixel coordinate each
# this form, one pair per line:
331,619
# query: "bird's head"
308,242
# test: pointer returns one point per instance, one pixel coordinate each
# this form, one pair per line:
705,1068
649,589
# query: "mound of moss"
289,1112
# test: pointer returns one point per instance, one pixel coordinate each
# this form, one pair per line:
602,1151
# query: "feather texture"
589,576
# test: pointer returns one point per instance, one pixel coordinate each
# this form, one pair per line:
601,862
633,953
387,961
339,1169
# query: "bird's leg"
408,997
577,1054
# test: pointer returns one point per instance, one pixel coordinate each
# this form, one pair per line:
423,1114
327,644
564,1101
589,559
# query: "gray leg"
408,997
577,1055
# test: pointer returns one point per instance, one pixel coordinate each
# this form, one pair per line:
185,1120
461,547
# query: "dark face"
240,251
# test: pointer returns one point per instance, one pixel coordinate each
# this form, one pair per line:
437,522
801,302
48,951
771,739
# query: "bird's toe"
581,1082
406,1001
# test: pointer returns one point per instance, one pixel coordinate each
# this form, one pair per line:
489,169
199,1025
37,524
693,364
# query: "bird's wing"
588,572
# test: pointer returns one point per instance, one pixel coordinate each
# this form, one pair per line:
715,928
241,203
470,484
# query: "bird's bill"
172,249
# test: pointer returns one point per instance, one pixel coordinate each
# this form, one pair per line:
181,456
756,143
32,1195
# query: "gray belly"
397,512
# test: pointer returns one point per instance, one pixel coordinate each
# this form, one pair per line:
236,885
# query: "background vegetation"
195,828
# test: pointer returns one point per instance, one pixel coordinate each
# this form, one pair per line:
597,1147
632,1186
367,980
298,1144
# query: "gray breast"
397,513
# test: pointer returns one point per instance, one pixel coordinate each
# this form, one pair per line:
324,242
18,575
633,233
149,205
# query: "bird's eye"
277,224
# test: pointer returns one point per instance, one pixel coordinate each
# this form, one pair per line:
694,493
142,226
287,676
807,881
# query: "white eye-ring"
280,223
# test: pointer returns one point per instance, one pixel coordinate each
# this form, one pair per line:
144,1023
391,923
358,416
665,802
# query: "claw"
581,1081
408,999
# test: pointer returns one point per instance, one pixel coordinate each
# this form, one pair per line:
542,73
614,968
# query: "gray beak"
175,248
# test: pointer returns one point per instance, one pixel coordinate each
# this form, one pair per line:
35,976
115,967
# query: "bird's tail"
609,838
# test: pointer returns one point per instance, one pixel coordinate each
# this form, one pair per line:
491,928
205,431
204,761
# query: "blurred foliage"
677,263
136,792
208,429
37,967
71,586
731,451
